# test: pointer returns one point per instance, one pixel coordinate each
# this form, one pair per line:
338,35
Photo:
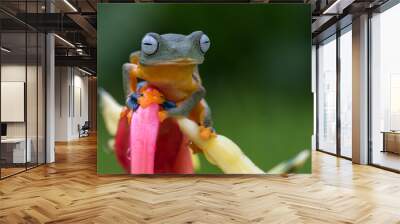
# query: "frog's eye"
204,43
149,45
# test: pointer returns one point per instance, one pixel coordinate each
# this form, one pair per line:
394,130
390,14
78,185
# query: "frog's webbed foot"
207,132
132,101
206,127
132,98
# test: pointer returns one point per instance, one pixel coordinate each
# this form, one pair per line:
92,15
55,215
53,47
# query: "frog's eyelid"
149,45
204,43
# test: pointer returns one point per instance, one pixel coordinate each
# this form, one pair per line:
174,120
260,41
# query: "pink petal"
145,123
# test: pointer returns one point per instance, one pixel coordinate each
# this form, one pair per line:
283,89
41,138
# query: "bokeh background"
257,72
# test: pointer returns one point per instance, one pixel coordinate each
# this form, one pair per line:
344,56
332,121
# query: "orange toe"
150,96
206,133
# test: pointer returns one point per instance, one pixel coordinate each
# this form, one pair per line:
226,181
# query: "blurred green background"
257,72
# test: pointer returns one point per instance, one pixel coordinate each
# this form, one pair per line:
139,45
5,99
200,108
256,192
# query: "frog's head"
173,49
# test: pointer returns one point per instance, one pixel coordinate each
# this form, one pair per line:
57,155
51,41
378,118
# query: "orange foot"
206,133
150,96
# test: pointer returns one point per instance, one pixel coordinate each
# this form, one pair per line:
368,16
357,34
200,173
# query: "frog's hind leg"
201,114
198,112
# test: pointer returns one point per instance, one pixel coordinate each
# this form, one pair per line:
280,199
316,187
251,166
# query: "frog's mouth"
178,62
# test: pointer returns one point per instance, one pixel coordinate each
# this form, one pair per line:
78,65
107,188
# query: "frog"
170,63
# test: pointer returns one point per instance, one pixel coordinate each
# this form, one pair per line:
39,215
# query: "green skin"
171,49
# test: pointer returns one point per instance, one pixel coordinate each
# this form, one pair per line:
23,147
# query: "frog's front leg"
197,109
129,78
184,108
130,73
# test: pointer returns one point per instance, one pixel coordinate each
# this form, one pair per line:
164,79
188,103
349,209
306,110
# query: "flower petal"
143,137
